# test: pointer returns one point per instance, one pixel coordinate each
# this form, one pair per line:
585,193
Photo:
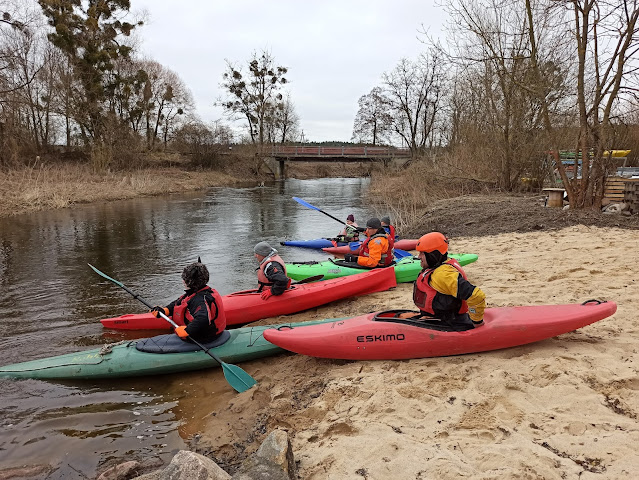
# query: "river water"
51,303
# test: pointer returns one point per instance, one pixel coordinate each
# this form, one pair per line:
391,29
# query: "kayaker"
271,272
200,309
390,231
442,290
375,250
350,233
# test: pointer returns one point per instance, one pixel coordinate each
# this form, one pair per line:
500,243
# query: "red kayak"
381,336
247,306
404,244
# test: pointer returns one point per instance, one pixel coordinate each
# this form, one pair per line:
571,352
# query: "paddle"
308,280
237,378
401,253
312,207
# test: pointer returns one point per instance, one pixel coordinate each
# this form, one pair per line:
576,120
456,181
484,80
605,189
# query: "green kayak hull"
406,270
124,360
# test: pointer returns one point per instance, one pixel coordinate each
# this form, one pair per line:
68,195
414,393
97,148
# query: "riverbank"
53,185
565,407
30,189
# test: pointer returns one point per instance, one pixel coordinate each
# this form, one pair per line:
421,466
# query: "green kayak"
125,360
406,270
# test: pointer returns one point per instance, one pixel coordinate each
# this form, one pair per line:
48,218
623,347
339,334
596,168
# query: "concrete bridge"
279,154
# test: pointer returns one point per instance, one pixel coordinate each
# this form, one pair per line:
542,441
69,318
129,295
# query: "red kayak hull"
405,244
362,338
247,306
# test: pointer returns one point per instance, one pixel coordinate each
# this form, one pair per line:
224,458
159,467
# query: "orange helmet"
433,241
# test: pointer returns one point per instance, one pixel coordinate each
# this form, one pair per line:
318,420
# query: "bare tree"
254,95
282,123
489,42
413,91
372,122
604,42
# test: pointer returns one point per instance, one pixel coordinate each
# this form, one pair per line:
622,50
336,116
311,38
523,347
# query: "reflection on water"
51,303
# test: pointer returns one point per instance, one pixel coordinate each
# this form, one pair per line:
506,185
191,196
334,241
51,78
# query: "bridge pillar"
277,166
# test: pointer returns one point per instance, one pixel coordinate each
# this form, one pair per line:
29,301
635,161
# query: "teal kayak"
406,269
125,360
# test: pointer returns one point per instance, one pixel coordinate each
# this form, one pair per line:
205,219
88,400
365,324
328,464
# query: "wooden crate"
631,194
615,188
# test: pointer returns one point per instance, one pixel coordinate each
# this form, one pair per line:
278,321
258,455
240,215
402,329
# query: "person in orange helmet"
442,290
375,250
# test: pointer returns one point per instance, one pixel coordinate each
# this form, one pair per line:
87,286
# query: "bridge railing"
305,151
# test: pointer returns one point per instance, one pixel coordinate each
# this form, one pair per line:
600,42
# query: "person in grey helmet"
271,272
199,312
390,230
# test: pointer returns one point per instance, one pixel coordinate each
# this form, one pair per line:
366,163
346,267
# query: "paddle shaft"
334,218
313,207
308,279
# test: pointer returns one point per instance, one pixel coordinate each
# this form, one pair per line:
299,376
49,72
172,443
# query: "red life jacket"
391,237
387,256
182,316
424,295
261,276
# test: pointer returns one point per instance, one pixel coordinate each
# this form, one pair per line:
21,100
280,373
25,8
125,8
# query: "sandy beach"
566,407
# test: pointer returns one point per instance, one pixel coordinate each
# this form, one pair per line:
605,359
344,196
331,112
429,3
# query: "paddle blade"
237,378
401,253
104,275
306,204
354,246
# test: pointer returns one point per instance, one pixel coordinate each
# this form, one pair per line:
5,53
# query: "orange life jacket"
182,316
424,295
387,256
261,276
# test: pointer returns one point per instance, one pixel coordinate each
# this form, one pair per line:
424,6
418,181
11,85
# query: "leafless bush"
406,195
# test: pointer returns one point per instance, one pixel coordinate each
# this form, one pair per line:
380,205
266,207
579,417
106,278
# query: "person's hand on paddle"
181,332
350,258
266,294
155,311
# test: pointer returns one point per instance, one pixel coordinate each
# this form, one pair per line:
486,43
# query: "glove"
266,294
181,332
155,311
350,258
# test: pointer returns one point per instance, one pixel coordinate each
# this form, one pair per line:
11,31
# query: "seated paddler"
390,230
271,272
350,232
200,309
442,290
375,250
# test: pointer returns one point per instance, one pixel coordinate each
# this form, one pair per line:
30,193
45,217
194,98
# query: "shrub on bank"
406,194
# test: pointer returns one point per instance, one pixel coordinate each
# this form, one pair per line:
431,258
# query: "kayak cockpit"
171,343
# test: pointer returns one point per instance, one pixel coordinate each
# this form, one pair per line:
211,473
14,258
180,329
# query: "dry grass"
60,185
405,195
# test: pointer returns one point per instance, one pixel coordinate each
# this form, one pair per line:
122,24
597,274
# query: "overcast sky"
335,50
